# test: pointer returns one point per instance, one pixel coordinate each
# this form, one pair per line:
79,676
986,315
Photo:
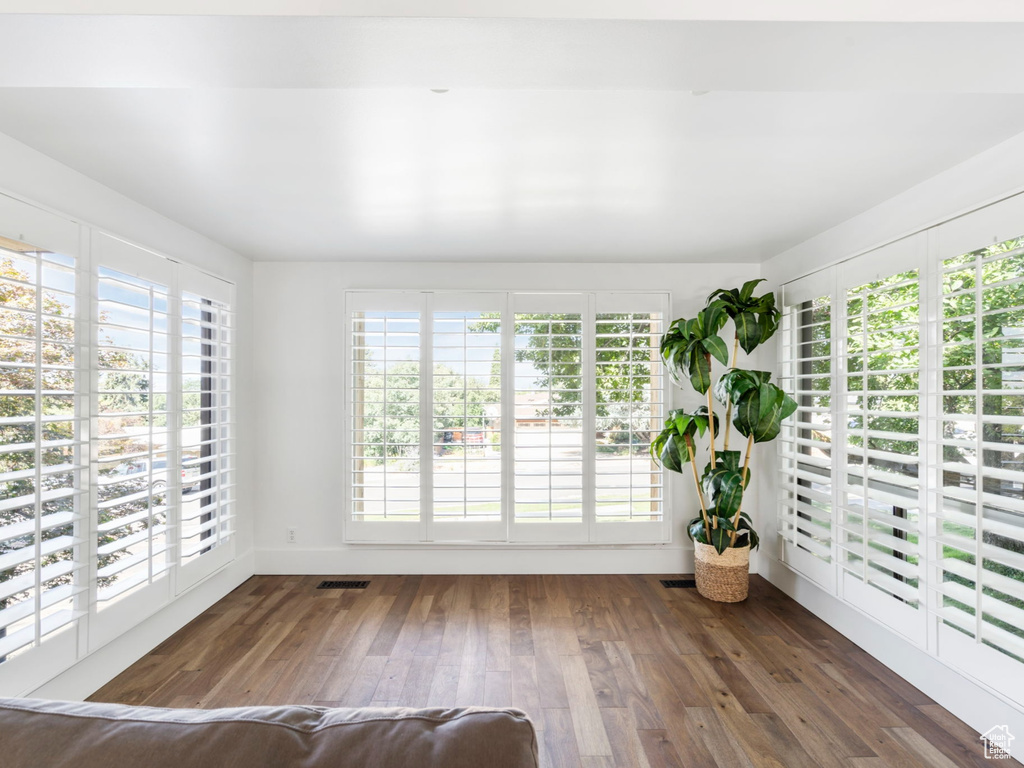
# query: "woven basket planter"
724,577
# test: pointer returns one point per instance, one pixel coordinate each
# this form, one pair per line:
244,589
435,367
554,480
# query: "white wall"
37,179
301,425
984,178
979,181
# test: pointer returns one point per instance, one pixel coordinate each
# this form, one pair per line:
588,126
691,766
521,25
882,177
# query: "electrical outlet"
291,536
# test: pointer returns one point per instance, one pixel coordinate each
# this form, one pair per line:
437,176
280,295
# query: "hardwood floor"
614,670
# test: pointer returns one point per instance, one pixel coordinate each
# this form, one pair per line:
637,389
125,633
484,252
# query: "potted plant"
723,533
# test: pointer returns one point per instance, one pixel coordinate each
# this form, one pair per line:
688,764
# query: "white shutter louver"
133,461
806,442
206,441
90,399
386,403
41,449
979,506
466,410
879,525
630,408
549,413
517,382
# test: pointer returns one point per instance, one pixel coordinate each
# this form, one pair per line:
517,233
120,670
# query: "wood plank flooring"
613,670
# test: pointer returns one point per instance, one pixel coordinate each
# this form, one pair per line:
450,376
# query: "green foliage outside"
552,345
390,427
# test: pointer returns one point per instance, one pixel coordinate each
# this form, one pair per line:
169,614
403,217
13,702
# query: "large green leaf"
674,454
688,343
682,422
713,317
768,323
724,484
756,317
699,369
734,383
759,412
720,536
746,533
730,493
716,347
748,288
700,418
727,295
669,447
696,531
725,460
748,331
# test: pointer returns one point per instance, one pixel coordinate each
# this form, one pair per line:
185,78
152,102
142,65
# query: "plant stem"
711,420
696,482
746,471
728,410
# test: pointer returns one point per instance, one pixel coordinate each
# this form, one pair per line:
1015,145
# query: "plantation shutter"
978,551
537,415
552,413
629,384
90,409
133,448
43,573
206,481
807,439
467,439
386,367
881,480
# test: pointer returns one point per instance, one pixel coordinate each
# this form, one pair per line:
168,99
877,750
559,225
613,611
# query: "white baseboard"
978,706
101,666
466,559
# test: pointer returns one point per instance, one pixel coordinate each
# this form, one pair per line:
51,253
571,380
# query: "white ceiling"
317,138
681,10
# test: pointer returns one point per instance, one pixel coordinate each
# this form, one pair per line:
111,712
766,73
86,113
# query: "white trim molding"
977,705
104,664
499,559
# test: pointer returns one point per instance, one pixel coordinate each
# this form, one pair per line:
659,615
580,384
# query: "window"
905,458
41,450
206,522
115,438
980,496
629,394
386,434
549,403
132,433
534,423
881,490
806,440
466,438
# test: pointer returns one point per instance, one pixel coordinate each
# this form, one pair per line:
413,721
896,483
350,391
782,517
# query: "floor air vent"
679,583
343,585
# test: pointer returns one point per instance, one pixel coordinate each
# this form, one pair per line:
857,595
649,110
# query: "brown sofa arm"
60,734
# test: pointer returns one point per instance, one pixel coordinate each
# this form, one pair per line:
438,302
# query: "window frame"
43,634
506,532
90,627
819,566
926,626
217,469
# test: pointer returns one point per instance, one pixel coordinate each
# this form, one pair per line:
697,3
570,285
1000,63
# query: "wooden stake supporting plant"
753,406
